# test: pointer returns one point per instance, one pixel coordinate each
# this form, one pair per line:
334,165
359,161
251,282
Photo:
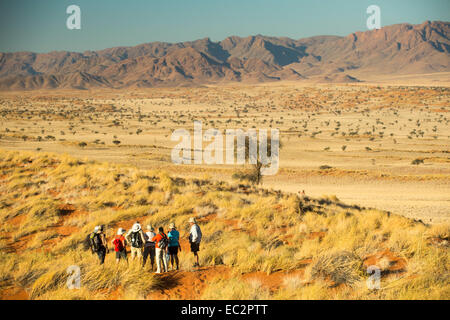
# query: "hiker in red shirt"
161,243
120,246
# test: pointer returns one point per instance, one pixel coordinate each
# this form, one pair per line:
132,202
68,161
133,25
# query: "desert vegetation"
258,243
389,138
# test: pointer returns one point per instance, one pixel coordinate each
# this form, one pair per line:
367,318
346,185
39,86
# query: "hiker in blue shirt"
174,245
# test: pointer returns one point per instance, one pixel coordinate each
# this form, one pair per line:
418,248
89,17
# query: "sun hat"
192,220
120,231
149,227
136,227
172,226
97,229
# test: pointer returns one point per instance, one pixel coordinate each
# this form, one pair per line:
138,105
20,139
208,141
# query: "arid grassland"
376,145
373,160
258,243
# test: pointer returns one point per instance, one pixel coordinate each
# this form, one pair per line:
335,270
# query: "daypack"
163,243
118,244
136,240
95,242
87,242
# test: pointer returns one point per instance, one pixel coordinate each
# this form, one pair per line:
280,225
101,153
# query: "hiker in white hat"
136,239
195,236
174,245
136,227
149,247
120,245
97,245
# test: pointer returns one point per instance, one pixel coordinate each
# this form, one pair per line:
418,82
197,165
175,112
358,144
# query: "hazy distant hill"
396,49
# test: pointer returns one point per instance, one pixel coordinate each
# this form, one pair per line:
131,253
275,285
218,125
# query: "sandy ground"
425,201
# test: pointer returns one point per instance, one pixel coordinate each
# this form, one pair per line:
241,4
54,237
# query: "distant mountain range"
396,49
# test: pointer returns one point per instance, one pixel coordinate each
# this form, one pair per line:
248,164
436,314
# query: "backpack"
136,240
163,243
118,245
95,242
87,242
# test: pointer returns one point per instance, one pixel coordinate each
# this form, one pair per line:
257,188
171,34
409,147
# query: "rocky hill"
396,49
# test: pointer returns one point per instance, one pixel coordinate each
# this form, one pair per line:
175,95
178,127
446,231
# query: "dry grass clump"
340,267
27,269
95,280
109,276
72,294
40,237
48,281
40,215
293,282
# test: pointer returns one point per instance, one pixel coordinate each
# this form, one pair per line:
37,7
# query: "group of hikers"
147,244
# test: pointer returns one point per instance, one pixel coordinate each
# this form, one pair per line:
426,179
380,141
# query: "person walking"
136,239
161,241
120,246
103,237
149,246
174,245
195,237
97,245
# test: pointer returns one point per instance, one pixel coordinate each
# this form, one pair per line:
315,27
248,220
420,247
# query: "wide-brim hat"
136,227
192,220
120,231
172,226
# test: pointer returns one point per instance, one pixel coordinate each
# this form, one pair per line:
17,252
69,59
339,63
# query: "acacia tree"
252,150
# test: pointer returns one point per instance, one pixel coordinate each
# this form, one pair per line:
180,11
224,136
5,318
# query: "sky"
40,25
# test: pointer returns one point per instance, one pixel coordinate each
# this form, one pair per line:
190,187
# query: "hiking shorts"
121,254
136,252
195,247
173,250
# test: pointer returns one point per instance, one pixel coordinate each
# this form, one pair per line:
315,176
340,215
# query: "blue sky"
40,25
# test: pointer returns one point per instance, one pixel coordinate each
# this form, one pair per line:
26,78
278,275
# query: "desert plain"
381,144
